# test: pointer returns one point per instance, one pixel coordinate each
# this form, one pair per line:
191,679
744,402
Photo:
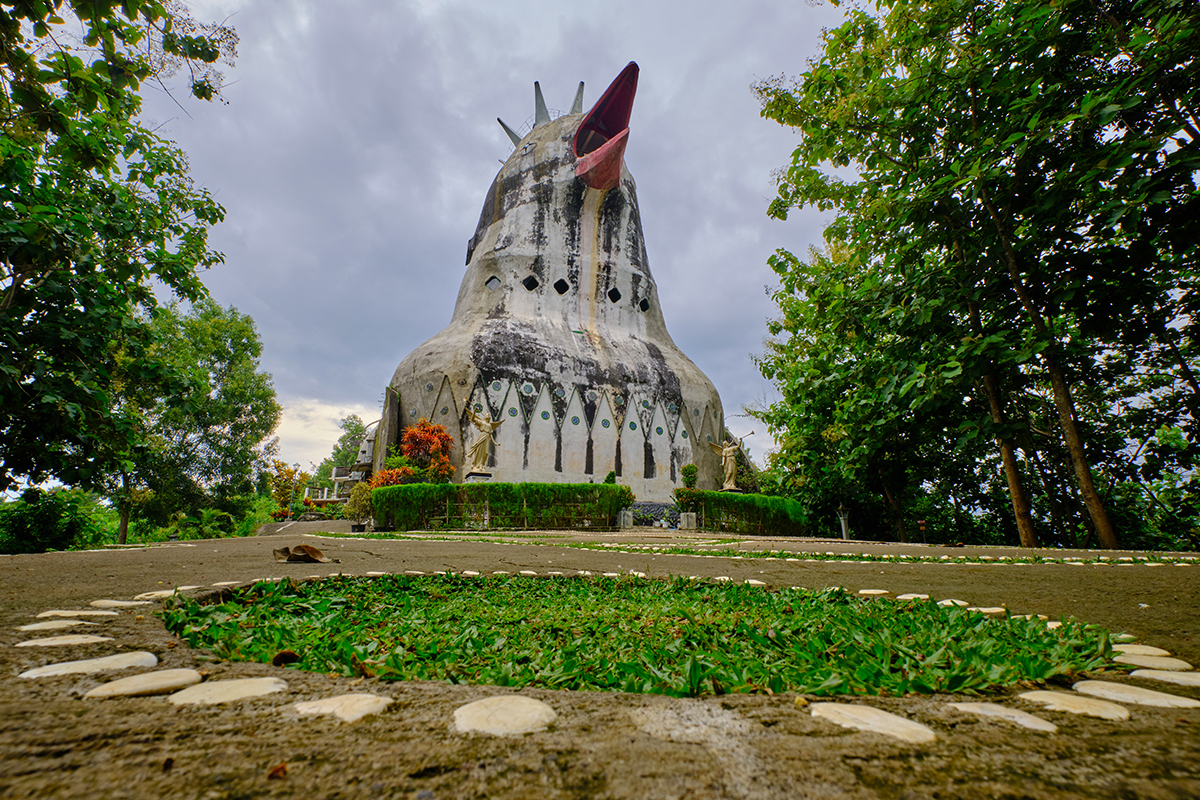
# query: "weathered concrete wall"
558,331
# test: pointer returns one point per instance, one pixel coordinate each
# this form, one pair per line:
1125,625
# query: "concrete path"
55,741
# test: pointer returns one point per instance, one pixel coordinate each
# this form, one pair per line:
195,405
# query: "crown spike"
577,106
541,115
516,140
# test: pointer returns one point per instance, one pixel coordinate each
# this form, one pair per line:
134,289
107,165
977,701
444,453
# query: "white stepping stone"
506,715
53,624
469,573
62,641
215,692
612,574
528,573
912,597
146,684
235,583
118,603
873,592
416,572
1155,662
1179,678
346,707
722,578
1076,704
61,613
119,661
500,572
162,594
1121,693
373,574
989,611
872,720
752,582
952,602
1012,715
1140,650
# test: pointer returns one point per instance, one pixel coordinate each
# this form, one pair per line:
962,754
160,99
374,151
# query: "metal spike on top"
577,106
516,139
542,115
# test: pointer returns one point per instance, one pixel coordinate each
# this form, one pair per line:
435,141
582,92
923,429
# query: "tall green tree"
94,207
1023,189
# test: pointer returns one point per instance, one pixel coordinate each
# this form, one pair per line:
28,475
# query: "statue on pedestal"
479,450
727,450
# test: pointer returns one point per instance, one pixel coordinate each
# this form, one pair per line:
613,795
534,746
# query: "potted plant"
358,508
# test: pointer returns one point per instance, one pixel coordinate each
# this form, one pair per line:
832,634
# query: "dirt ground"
53,743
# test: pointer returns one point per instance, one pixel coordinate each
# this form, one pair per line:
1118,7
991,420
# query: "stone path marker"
873,720
63,641
147,684
163,594
1076,704
215,692
118,603
53,624
1180,678
346,707
1155,662
506,715
912,596
873,592
951,602
119,661
1013,715
60,613
1133,694
1140,650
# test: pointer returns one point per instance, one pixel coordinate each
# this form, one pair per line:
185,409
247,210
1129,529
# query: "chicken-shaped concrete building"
557,333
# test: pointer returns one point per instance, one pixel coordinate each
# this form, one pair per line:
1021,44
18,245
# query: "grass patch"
679,637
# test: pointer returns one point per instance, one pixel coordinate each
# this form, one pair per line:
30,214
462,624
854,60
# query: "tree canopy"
1012,255
94,209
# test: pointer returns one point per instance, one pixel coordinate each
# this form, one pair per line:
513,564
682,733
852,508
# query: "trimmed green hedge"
493,506
743,513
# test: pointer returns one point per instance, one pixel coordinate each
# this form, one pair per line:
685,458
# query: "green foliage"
744,513
95,208
611,478
287,483
360,506
1010,185
689,474
500,505
42,521
679,637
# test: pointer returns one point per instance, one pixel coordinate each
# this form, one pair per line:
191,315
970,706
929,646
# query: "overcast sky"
359,138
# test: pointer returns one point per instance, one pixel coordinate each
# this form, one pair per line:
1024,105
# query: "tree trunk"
1016,489
1058,383
123,527
895,504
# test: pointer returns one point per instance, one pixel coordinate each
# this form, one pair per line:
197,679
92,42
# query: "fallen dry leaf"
284,657
277,772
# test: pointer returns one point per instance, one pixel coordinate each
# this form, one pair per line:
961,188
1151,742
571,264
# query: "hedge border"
756,514
499,506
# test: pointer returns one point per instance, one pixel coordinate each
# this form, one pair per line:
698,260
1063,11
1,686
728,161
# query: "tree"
94,207
1025,183
287,483
345,452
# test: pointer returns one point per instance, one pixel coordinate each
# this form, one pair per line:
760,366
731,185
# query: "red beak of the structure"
600,141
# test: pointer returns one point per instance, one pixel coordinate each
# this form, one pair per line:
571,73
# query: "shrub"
689,474
42,521
611,477
500,505
427,447
392,477
743,513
